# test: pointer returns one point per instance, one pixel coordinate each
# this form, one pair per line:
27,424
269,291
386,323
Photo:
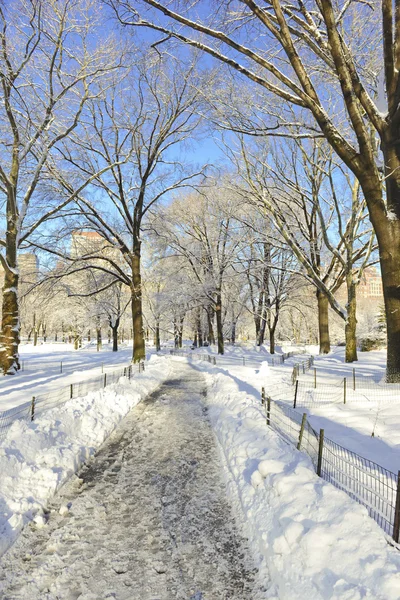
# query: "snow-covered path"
148,518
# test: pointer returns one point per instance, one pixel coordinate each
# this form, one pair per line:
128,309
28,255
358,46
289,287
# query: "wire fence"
273,360
301,367
29,411
311,392
366,482
59,366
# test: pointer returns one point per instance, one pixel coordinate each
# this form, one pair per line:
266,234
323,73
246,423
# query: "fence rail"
43,402
370,484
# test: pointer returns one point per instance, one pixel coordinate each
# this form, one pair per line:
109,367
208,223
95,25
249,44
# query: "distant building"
28,269
370,286
86,242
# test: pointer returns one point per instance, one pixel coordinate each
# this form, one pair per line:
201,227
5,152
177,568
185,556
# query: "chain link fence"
43,402
366,482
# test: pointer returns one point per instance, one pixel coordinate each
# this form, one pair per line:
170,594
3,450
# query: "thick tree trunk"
157,339
9,359
263,326
351,322
210,336
139,350
387,229
218,314
114,330
323,323
10,325
98,338
180,332
390,265
199,330
257,327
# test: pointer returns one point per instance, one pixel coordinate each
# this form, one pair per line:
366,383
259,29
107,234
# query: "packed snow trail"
148,518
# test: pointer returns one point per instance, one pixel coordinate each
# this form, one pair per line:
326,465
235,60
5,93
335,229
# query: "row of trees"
96,136
315,70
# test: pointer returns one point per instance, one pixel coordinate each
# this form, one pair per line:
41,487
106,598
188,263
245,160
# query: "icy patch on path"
147,519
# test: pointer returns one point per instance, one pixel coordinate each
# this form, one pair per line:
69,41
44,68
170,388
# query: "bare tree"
319,218
50,62
204,230
325,60
146,117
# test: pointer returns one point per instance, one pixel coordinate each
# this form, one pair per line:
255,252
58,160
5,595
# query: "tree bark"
387,229
210,337
9,339
351,321
180,332
139,350
199,330
98,335
218,314
157,336
323,323
114,330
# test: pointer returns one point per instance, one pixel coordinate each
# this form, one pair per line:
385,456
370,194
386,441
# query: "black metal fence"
43,402
370,484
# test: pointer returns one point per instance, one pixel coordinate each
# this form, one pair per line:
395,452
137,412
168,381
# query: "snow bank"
37,458
312,541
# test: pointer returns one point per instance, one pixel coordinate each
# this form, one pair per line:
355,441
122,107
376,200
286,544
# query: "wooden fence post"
262,395
105,379
354,379
320,450
71,391
315,378
396,524
302,426
268,410
61,367
344,390
33,408
295,393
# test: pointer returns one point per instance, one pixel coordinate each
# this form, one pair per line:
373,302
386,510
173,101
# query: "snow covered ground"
37,458
312,540
42,369
147,518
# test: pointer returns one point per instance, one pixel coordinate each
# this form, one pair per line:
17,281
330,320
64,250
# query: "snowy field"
308,539
48,367
312,540
36,458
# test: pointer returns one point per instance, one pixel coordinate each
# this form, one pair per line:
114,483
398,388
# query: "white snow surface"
37,458
310,539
